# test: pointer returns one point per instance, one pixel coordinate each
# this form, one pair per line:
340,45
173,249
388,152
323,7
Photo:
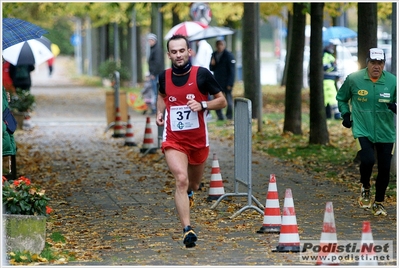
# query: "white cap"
376,54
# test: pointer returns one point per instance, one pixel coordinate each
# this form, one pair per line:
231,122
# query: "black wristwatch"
204,105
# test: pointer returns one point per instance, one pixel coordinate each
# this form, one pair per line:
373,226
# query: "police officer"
329,79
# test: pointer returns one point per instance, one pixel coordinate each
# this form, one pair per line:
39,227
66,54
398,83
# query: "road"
116,207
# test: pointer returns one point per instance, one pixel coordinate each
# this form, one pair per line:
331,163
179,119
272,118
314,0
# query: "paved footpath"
116,206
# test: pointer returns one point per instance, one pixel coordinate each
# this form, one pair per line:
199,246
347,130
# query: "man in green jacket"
371,114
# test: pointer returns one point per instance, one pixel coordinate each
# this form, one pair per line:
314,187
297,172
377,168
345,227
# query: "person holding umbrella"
23,56
20,76
203,55
50,62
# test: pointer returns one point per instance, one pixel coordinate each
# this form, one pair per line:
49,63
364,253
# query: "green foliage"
22,257
48,253
22,198
60,33
107,69
182,9
58,17
273,9
57,237
22,101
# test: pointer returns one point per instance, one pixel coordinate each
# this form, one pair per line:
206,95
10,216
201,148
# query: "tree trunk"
318,127
154,18
107,42
139,56
175,17
394,70
250,57
288,48
293,96
366,33
394,40
366,30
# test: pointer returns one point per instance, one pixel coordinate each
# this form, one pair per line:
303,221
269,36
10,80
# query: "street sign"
76,40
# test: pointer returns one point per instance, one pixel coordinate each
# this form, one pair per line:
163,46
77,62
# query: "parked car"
346,64
281,63
388,56
383,44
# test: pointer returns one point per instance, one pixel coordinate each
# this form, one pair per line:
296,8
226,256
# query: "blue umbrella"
16,31
338,32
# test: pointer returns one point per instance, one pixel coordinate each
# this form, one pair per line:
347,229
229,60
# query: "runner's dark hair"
176,37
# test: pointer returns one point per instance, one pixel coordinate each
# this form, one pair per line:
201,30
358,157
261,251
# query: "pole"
116,42
78,46
116,88
134,49
257,84
89,47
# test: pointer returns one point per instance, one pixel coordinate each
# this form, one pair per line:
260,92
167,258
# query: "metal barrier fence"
242,155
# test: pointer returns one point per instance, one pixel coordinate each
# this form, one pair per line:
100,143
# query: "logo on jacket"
190,96
172,99
362,92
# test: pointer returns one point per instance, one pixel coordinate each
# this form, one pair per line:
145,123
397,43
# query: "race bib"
183,118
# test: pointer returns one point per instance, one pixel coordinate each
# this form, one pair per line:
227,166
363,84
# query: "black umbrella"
210,32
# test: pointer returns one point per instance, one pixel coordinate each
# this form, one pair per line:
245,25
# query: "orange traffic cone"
216,188
328,240
148,139
272,214
367,257
129,137
118,127
289,236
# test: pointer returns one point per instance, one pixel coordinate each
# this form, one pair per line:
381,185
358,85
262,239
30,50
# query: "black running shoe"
189,237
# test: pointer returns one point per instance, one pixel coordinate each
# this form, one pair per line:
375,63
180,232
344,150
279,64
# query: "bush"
22,101
107,69
23,198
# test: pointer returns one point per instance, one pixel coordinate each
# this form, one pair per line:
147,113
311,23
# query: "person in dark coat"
155,65
223,66
20,75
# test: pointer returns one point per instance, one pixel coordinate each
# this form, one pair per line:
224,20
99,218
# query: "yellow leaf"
42,259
